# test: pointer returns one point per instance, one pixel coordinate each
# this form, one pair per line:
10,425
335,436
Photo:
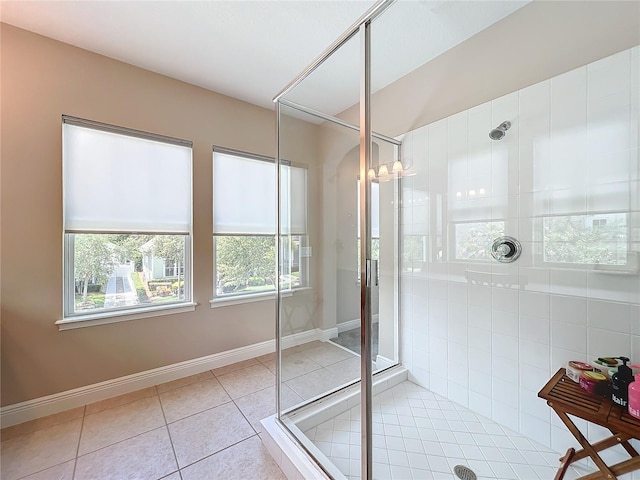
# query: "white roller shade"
244,195
293,201
120,183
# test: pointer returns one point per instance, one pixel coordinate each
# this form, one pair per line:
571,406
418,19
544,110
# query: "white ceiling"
251,50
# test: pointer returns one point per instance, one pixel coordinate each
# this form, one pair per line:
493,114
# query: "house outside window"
244,222
127,242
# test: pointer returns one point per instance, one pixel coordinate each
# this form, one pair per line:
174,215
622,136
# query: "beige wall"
537,42
43,79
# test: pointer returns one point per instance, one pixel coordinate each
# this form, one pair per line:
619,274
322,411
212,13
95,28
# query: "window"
473,239
587,239
127,237
244,222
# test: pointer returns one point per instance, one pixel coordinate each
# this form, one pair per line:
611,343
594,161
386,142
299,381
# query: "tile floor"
419,435
207,426
200,427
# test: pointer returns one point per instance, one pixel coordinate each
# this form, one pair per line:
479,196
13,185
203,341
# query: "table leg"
607,473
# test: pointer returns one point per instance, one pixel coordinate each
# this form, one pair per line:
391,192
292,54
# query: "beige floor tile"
31,453
326,354
346,371
194,398
173,476
248,380
248,460
296,365
182,382
262,404
144,457
120,400
314,383
234,366
208,432
267,358
119,423
64,471
271,365
40,423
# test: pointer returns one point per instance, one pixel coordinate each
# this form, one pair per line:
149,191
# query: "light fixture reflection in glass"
371,174
383,170
397,167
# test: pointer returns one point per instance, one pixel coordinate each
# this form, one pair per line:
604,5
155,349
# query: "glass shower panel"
319,302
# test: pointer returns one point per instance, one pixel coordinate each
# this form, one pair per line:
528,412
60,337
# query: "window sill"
256,297
123,316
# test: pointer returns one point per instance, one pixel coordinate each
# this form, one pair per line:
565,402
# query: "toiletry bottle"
620,383
634,396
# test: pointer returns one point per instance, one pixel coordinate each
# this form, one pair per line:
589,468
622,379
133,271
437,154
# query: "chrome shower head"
499,132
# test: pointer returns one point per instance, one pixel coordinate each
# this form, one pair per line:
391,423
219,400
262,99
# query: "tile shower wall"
565,181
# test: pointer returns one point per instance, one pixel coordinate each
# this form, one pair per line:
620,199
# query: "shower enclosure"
451,237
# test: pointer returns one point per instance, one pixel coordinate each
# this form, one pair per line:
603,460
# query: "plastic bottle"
634,396
620,383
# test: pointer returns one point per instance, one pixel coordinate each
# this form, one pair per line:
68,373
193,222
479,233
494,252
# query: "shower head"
499,132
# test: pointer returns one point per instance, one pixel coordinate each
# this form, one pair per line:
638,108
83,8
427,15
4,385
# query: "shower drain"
464,473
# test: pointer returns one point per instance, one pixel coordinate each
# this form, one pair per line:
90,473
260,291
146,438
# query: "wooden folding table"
566,397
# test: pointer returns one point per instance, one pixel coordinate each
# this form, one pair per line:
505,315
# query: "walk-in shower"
448,276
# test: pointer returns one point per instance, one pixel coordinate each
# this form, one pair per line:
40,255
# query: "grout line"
75,460
166,426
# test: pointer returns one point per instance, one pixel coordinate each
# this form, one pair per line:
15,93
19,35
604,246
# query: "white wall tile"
560,358
480,295
505,299
534,406
535,304
479,339
535,429
569,309
535,354
533,378
505,345
566,150
610,75
535,329
635,319
603,341
620,288
569,336
480,317
612,316
569,282
480,403
479,357
535,279
505,414
459,394
506,392
505,323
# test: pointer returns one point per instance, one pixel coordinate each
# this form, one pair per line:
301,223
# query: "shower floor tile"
419,435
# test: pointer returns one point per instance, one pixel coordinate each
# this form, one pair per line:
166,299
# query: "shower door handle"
372,272
374,268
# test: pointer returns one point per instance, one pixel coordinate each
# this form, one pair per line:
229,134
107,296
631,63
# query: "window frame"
252,296
73,319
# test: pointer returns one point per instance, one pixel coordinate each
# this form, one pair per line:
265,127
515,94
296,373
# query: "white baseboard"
351,324
78,397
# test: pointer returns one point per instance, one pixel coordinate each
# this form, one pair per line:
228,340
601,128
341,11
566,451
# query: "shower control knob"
506,249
